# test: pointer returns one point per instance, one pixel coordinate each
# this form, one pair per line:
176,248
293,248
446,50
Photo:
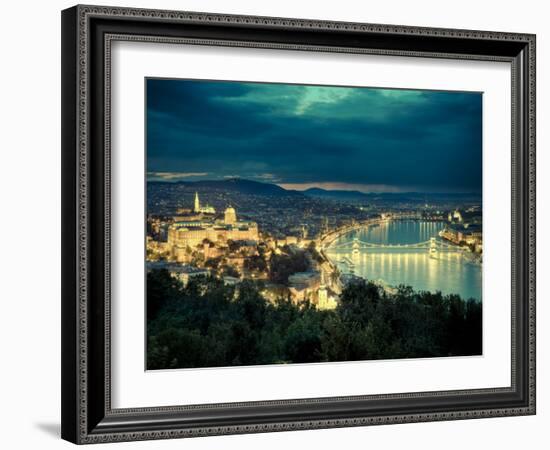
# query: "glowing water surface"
448,272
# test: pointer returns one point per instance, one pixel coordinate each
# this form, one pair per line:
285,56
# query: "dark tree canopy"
209,324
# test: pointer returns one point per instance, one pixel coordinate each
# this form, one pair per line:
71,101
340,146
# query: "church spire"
197,203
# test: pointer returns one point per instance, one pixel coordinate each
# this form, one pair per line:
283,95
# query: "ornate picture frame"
87,35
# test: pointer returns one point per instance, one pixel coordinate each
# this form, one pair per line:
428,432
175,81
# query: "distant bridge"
432,245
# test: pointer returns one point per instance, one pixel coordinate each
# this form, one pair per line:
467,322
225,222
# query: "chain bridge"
432,245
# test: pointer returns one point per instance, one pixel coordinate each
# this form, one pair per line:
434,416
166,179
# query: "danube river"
447,271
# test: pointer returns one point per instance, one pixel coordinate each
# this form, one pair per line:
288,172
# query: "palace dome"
230,216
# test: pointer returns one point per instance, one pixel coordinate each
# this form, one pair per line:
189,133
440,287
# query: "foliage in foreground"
209,324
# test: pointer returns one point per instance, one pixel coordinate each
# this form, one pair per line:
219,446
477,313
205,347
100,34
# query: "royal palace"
190,233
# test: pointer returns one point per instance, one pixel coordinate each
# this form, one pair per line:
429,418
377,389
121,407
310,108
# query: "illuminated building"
291,240
470,234
303,285
324,300
230,216
183,234
206,209
322,294
183,273
156,249
191,233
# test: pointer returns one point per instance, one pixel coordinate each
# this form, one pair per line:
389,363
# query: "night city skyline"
298,224
299,137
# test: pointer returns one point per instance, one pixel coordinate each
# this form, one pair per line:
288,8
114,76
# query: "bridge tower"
433,248
355,247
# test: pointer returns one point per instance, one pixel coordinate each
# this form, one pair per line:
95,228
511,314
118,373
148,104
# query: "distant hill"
237,185
413,197
250,187
423,197
336,195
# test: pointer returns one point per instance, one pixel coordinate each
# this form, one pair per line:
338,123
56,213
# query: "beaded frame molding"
87,35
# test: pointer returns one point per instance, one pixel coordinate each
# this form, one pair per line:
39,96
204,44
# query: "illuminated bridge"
432,245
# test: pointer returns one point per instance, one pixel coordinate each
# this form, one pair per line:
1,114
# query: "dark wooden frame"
87,32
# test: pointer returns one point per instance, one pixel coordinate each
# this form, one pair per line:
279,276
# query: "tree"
358,302
336,339
255,263
214,263
303,340
210,324
162,288
233,246
230,271
312,250
284,265
252,306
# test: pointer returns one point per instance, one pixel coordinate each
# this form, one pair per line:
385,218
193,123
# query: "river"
448,272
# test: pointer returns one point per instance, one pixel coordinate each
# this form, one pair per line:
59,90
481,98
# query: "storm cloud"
302,136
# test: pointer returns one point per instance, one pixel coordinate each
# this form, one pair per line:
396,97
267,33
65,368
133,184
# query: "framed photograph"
279,224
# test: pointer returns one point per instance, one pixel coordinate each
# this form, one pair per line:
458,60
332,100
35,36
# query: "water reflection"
448,272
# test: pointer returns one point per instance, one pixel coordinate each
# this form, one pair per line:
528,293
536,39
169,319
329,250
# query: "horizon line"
341,188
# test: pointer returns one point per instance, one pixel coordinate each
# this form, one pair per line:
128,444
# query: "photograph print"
294,224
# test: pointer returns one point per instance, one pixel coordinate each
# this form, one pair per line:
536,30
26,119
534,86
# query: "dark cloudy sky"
367,139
